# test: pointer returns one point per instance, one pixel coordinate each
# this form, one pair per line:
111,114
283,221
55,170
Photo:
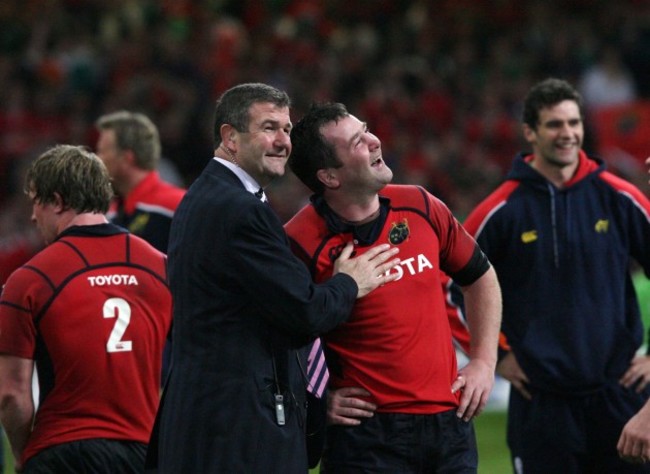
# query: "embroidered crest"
602,226
529,236
399,232
138,223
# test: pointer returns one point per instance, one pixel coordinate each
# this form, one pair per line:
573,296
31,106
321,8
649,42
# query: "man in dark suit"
244,305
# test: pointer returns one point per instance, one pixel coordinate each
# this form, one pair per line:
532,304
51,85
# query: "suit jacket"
243,308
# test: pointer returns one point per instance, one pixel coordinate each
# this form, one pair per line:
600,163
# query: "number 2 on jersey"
120,308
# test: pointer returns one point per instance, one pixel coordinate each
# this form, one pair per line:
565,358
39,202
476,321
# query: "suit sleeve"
262,262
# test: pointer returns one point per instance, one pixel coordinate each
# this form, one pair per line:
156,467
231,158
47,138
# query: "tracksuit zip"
556,253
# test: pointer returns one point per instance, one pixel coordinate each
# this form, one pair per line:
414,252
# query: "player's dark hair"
548,93
311,152
77,175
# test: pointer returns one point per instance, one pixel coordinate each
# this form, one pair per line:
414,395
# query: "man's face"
45,216
111,155
364,170
263,149
558,137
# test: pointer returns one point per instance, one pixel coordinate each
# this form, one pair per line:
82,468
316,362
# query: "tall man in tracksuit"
560,232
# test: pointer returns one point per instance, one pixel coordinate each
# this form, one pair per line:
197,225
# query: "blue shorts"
404,443
97,456
571,435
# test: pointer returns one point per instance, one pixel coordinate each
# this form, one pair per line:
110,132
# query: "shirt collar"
143,189
247,180
337,226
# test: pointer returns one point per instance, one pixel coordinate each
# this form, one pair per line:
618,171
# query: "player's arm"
634,443
456,313
476,379
16,403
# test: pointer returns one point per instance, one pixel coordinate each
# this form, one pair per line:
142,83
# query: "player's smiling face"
263,149
557,139
360,153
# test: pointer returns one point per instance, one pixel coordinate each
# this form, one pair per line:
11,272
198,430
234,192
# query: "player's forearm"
16,415
483,308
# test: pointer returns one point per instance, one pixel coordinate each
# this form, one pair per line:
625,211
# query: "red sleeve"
17,330
639,199
456,245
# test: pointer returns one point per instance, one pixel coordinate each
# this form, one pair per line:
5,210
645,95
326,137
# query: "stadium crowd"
440,81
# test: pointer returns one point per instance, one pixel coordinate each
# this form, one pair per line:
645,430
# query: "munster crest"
399,232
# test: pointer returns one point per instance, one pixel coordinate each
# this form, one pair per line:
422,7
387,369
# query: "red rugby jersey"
92,310
397,343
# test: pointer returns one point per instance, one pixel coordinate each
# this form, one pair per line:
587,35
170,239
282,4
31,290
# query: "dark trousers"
571,435
89,456
404,443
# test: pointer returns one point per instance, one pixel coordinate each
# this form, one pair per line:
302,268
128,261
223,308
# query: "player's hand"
638,374
369,270
634,443
344,408
475,380
509,369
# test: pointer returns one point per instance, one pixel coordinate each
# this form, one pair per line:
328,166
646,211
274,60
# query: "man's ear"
228,136
58,204
328,178
129,157
529,134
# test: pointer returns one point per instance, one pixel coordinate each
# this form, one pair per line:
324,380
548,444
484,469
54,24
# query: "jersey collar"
361,233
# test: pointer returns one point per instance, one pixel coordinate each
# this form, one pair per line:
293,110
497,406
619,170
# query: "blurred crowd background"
440,82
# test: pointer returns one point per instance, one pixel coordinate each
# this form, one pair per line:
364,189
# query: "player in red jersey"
397,343
90,312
